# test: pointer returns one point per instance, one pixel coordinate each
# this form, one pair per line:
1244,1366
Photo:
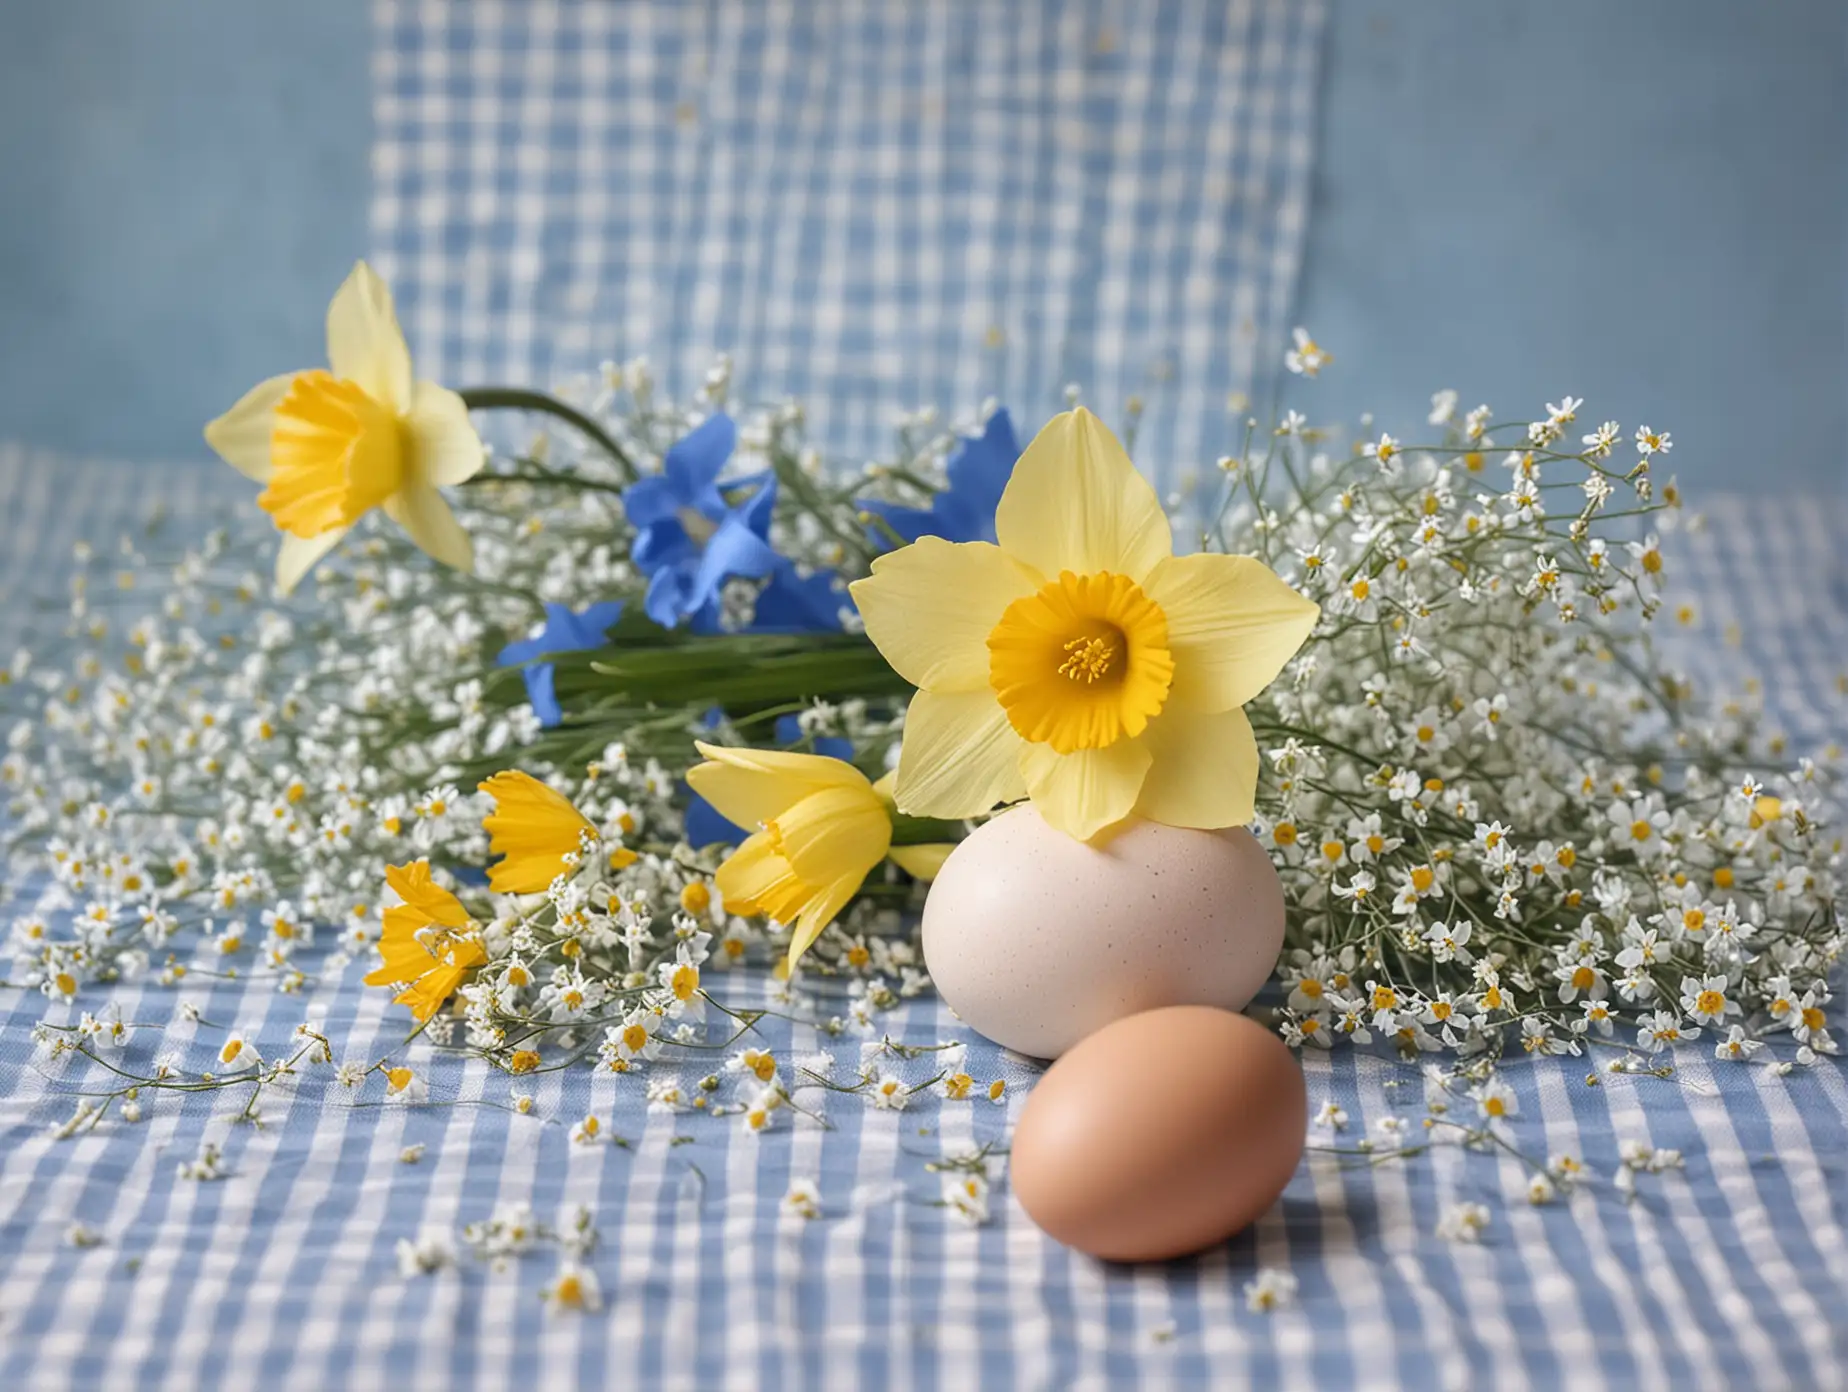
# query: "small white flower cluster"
1489,1105
967,1180
1498,814
508,1235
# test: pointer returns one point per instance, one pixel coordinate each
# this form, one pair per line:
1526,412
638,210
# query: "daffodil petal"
1088,790
1232,625
364,343
930,606
427,520
819,912
1205,770
241,436
421,894
445,447
922,862
752,871
752,786
960,757
834,832
299,554
402,959
533,827
1075,502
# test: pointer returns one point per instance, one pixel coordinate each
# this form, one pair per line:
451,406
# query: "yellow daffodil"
429,944
1080,662
822,829
534,829
331,445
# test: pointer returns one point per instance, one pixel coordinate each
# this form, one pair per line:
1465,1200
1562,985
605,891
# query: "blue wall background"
1644,203
1641,202
182,185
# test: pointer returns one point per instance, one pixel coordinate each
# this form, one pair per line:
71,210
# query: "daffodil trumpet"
822,828
1077,661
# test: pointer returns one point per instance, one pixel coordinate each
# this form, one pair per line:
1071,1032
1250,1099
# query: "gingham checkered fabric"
874,206
282,1275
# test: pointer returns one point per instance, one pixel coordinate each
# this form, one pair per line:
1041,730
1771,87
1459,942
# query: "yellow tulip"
330,446
822,829
429,945
534,829
1079,662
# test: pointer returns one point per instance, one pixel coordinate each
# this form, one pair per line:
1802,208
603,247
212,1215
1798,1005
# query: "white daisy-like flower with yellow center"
331,444
1079,662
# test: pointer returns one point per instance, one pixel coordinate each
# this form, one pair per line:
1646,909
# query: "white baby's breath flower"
1463,1222
431,1252
1269,1290
574,1288
1306,358
802,1200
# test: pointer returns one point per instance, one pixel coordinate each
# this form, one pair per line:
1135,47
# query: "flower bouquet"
571,726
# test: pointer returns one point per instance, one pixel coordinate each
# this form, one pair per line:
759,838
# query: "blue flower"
978,470
704,825
564,632
793,603
691,535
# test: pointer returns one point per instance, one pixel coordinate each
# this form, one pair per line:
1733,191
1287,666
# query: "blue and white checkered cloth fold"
873,206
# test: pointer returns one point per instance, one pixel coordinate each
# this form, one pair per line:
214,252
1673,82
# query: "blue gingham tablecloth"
876,206
283,1274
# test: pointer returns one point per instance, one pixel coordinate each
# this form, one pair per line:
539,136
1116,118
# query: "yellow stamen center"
1089,659
335,454
1710,1002
1081,663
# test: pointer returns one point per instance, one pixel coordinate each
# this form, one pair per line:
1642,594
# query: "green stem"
923,831
525,399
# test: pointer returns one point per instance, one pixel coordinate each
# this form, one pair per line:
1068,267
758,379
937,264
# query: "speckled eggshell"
1160,1135
1037,939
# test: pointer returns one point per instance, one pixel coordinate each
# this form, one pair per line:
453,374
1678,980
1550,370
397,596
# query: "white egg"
1037,940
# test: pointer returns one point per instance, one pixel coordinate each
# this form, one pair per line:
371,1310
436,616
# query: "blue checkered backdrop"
872,206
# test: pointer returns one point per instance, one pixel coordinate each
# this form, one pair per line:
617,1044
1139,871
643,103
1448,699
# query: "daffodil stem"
923,831
884,528
524,399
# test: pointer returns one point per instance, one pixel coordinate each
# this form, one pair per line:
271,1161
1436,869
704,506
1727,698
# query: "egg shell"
1036,939
1160,1135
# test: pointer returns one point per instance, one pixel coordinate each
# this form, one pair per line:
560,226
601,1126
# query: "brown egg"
1161,1134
